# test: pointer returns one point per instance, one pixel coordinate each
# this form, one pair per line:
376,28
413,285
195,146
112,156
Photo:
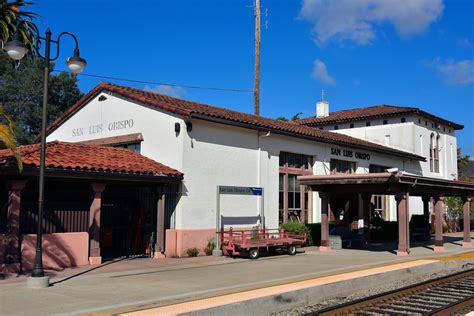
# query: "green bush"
192,252
211,245
293,227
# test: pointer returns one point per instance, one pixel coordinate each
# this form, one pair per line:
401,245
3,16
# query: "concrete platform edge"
314,295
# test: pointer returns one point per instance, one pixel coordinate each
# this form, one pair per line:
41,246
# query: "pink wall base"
59,250
178,240
95,260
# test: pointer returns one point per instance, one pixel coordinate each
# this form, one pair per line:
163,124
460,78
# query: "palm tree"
7,136
13,19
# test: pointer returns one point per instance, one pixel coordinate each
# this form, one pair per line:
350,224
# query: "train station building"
128,168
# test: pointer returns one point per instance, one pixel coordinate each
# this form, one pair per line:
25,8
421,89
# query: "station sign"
349,153
240,190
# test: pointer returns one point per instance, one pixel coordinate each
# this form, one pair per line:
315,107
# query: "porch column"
94,224
285,198
403,229
160,224
366,214
324,222
12,235
426,216
302,204
439,208
467,221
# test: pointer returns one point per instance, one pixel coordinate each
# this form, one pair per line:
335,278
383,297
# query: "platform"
138,284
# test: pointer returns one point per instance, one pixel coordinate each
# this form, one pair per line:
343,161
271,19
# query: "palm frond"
7,136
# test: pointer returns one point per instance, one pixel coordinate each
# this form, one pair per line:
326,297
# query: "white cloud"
321,73
171,91
455,72
355,20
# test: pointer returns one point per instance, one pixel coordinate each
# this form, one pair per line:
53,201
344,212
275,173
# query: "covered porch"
402,186
100,203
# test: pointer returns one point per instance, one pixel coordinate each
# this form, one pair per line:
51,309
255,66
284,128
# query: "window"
291,166
426,123
336,126
385,122
419,121
352,125
377,168
296,161
136,147
434,153
367,123
403,120
342,166
321,128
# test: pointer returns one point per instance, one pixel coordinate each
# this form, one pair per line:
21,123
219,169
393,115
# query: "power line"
158,83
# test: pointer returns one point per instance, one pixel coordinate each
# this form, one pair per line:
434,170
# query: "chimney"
322,107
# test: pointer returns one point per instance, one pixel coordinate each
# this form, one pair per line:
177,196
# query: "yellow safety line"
273,290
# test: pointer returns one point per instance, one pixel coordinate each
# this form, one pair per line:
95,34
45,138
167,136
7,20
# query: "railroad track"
448,295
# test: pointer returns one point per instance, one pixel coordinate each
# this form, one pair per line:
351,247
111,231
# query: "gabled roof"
372,112
80,157
221,115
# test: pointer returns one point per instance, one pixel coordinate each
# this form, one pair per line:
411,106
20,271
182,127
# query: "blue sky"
361,53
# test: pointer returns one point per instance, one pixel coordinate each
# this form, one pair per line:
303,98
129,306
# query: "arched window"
434,153
432,140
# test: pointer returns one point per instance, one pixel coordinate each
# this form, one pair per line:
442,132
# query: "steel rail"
413,299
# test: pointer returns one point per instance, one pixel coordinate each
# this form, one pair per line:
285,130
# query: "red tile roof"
72,156
372,112
212,113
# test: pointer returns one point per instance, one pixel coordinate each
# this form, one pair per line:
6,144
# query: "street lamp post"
17,50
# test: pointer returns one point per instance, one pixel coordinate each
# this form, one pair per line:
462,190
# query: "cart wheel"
253,253
292,250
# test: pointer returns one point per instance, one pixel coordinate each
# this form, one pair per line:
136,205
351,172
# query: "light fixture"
15,49
75,63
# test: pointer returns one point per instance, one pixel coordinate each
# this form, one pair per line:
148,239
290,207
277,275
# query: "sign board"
240,190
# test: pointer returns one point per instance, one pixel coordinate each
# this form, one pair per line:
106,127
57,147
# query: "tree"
21,92
454,205
463,162
12,20
293,118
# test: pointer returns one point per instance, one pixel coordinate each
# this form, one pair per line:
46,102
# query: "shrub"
211,245
192,252
293,227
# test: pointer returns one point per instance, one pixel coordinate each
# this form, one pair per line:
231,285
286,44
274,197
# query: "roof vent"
322,107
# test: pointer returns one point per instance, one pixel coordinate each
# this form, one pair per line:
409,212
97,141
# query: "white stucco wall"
157,127
215,154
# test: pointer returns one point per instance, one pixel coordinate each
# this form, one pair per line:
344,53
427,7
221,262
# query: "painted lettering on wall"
349,153
99,128
120,125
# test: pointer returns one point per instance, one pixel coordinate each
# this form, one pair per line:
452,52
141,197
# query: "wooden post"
366,197
439,209
324,222
285,198
467,221
302,204
426,216
256,88
12,235
403,227
160,224
94,224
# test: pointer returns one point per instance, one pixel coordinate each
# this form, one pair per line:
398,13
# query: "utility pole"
256,87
